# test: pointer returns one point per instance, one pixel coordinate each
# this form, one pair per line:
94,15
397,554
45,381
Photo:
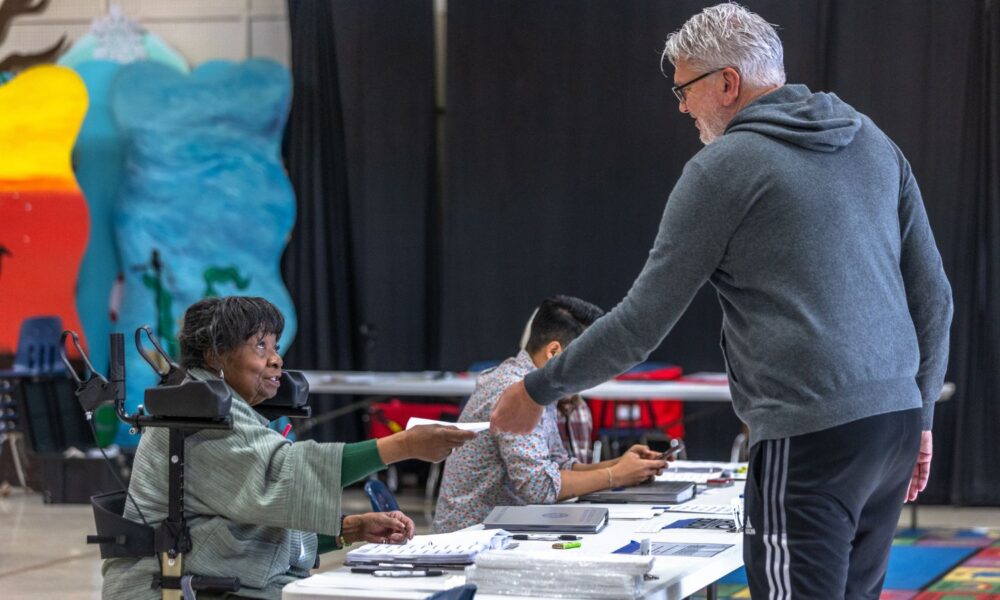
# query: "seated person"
255,500
504,469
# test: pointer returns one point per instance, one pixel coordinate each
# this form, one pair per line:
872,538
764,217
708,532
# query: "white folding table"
677,577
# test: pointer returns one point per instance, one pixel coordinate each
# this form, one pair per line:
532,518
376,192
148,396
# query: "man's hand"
515,412
922,470
378,527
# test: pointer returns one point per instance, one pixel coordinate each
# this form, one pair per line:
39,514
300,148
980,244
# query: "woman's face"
253,369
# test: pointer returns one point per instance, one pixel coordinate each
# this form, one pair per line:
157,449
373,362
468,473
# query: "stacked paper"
458,548
560,575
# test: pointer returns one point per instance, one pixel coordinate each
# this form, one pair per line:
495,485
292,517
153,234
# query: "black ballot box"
75,480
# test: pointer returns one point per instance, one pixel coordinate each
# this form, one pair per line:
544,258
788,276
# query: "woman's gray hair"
214,327
729,35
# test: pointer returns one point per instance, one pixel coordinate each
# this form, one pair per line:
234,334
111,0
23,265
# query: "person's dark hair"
561,319
215,326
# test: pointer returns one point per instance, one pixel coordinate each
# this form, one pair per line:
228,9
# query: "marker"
288,428
735,505
566,545
408,573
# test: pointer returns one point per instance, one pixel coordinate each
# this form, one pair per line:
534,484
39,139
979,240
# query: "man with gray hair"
808,222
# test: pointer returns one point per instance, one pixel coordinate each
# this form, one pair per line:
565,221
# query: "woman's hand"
643,451
432,443
378,527
633,470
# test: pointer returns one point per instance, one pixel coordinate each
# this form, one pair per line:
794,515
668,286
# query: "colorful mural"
98,160
205,207
44,227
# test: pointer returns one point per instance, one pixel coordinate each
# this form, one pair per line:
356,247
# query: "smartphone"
672,452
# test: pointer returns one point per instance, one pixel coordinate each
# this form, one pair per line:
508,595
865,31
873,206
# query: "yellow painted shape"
981,574
41,111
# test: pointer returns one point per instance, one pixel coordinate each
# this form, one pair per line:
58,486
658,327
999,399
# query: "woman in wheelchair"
259,507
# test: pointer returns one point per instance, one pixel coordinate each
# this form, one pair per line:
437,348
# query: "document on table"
456,548
473,427
654,525
696,471
630,512
343,579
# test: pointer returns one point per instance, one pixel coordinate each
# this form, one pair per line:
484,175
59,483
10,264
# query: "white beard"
711,128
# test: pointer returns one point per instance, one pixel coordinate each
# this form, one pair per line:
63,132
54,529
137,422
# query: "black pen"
408,573
547,538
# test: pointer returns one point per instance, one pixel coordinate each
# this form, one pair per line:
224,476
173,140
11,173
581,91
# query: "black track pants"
822,508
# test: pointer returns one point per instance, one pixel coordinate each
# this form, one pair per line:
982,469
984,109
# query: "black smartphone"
673,452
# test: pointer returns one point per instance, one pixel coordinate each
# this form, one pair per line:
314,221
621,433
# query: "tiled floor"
43,554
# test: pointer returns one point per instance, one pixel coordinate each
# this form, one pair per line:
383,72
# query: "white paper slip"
632,513
712,509
474,427
654,525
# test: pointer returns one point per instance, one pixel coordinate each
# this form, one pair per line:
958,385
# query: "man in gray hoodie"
807,220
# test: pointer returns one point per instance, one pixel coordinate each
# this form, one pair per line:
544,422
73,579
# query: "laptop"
653,492
558,518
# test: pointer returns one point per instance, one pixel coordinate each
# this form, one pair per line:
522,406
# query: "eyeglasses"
678,90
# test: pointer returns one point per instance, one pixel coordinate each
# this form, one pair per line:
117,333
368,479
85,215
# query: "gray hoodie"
807,220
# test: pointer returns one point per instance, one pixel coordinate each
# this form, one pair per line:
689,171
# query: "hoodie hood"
820,122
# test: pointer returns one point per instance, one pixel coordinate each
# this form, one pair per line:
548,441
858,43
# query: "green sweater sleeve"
360,460
326,543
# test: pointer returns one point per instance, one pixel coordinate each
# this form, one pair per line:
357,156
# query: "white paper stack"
560,575
458,548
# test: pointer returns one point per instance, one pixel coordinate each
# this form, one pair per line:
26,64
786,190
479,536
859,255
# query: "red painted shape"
45,233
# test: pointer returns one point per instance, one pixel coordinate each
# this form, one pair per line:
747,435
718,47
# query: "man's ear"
731,86
552,348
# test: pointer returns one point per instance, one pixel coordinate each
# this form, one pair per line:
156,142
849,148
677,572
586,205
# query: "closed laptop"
654,492
562,518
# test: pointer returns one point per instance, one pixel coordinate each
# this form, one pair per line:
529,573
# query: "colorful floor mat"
924,564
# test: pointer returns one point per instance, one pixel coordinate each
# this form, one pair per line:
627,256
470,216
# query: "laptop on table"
556,518
653,492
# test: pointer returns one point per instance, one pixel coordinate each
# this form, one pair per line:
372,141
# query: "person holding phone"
499,469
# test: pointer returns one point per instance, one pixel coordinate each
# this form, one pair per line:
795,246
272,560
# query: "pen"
408,573
288,428
566,545
546,538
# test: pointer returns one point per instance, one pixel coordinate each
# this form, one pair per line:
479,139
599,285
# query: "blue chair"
38,349
462,592
381,498
38,381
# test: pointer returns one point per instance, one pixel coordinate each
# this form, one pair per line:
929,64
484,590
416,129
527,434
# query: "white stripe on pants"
777,557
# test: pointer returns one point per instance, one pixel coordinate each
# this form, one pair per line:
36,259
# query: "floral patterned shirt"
500,469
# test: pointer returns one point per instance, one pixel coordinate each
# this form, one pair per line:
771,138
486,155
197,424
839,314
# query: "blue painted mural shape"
205,207
98,161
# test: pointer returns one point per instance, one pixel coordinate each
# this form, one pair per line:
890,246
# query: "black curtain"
971,422
563,144
359,148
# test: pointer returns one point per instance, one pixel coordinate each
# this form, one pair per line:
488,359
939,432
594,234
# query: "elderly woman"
256,501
